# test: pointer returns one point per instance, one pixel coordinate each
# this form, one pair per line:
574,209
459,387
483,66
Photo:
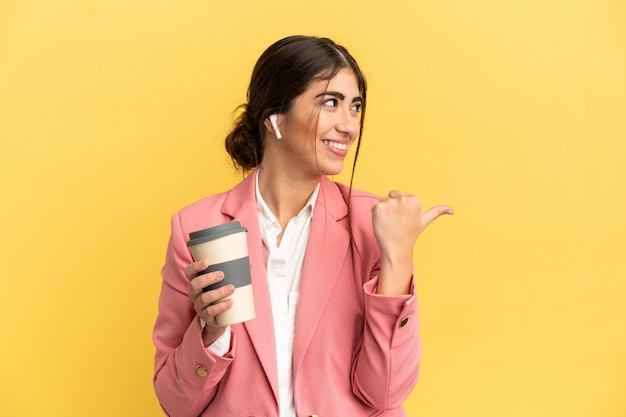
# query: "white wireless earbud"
274,122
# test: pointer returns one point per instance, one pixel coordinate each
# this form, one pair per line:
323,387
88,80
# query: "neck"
285,195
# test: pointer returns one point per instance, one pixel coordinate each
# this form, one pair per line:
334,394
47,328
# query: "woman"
336,327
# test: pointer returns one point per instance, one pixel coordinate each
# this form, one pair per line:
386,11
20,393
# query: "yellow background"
112,116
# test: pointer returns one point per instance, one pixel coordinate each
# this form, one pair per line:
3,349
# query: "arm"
186,373
386,367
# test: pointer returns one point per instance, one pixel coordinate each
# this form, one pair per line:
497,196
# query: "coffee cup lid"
215,232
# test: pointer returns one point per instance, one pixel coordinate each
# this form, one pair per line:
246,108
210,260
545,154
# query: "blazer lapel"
241,205
325,253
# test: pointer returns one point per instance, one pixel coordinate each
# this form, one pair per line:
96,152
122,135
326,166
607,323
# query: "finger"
432,213
214,296
212,310
393,194
191,270
198,283
396,193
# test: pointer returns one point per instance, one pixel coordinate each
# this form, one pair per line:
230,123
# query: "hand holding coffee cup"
222,287
208,304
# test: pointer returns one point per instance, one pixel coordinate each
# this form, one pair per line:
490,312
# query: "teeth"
336,145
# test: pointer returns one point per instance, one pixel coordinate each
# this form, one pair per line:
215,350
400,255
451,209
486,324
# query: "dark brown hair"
282,73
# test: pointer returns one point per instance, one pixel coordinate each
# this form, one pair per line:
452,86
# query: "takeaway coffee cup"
225,247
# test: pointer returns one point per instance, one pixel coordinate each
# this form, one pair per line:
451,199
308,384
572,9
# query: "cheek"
310,125
324,124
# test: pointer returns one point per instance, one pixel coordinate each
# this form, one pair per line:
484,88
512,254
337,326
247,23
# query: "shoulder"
226,203
360,205
206,204
203,213
360,224
360,201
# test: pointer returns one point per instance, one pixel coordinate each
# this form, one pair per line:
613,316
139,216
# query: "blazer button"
201,370
404,321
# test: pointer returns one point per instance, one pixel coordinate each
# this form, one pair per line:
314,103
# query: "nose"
347,123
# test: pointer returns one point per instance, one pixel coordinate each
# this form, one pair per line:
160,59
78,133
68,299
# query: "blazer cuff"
197,365
391,314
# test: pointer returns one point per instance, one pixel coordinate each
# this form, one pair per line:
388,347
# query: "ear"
273,121
268,125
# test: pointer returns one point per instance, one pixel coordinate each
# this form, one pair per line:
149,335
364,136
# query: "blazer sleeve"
386,367
186,374
386,362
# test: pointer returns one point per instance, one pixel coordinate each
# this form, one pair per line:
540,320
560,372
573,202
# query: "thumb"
432,213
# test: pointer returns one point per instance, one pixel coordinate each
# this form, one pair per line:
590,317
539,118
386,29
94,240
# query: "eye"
331,102
356,107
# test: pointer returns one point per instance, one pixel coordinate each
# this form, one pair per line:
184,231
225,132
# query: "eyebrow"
338,95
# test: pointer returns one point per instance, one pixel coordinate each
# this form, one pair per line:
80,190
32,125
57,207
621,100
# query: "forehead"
344,82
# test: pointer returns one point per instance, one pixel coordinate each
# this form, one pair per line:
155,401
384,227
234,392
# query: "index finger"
192,270
396,194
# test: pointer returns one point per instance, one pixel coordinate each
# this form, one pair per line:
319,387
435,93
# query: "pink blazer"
356,353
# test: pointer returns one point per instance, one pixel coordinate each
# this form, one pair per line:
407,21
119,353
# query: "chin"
330,167
332,171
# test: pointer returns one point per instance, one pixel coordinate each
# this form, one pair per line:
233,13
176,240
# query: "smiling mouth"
336,145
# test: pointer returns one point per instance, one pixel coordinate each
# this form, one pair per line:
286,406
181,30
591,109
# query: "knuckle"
195,285
216,276
207,298
200,266
189,273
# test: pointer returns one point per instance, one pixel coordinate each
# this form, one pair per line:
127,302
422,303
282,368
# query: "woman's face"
321,126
